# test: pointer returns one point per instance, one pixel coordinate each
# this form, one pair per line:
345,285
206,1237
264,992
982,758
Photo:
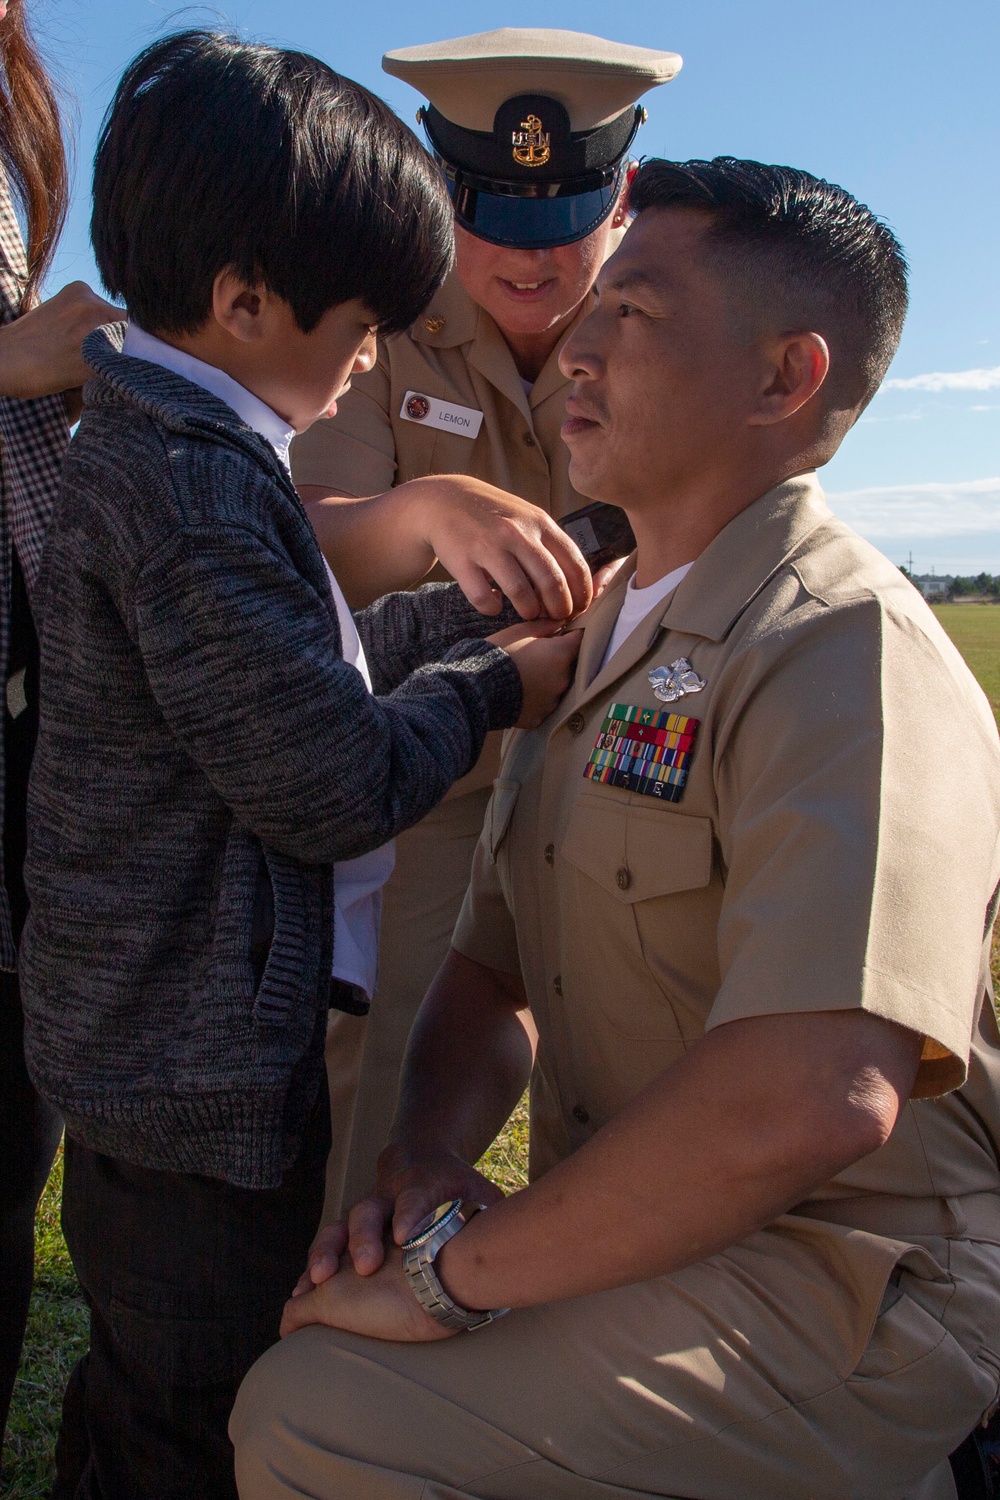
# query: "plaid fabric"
33,438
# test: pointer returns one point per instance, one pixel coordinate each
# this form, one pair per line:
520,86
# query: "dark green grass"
57,1336
57,1327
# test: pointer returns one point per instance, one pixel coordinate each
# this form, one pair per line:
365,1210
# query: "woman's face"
529,291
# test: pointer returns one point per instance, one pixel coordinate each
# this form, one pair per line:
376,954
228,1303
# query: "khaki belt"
975,1216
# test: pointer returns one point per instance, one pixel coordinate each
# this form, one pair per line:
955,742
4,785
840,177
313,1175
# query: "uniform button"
580,1115
557,984
528,440
623,879
574,723
550,853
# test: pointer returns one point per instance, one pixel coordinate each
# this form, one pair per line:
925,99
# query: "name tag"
430,412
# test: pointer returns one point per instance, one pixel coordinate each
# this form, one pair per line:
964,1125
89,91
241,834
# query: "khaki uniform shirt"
454,353
834,847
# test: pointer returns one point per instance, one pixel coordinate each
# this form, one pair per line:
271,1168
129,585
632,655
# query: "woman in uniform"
533,131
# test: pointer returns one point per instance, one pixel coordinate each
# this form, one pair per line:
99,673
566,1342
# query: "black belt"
350,998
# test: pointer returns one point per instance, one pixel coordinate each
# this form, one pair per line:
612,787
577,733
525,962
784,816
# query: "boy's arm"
240,652
404,631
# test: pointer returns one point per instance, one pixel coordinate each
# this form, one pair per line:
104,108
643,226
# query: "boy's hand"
545,659
40,351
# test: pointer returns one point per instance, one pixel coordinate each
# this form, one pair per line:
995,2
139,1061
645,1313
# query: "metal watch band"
419,1254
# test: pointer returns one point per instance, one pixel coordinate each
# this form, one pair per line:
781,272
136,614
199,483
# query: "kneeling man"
731,908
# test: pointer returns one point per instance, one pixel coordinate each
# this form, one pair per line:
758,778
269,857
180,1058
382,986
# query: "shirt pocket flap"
499,813
636,853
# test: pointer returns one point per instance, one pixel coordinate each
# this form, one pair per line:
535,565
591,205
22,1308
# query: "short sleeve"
485,931
355,451
859,801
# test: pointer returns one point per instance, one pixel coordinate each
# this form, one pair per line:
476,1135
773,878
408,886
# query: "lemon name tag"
430,412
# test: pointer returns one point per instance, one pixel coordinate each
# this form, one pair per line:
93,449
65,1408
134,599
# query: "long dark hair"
31,144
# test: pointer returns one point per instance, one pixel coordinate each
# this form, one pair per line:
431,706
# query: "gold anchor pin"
434,324
532,144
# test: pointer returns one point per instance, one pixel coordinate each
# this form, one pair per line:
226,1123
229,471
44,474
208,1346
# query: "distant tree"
961,586
905,572
984,583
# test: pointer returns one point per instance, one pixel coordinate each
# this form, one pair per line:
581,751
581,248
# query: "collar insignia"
676,681
532,145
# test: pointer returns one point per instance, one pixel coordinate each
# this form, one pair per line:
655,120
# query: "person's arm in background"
40,350
490,542
379,536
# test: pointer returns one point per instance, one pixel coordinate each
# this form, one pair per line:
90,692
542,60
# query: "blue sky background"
896,99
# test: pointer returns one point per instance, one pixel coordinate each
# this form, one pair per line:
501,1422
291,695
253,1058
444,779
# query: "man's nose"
578,357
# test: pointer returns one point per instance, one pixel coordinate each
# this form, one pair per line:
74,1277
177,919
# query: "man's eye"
624,308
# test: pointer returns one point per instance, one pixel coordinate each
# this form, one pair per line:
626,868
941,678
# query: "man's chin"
586,478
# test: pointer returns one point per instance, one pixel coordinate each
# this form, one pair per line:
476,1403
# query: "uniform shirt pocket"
632,900
636,853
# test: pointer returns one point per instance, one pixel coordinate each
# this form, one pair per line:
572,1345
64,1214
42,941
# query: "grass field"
975,629
57,1328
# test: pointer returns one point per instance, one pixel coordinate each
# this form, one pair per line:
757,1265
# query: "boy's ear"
238,308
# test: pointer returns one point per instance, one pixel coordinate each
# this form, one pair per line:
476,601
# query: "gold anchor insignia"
531,144
434,324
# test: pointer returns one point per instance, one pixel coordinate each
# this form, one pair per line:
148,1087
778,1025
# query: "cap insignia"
434,324
532,145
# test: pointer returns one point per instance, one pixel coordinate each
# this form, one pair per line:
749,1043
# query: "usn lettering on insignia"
644,750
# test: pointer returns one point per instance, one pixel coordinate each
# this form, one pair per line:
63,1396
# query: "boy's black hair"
217,153
802,248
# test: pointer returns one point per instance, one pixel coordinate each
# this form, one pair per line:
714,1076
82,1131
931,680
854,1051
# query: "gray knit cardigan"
204,755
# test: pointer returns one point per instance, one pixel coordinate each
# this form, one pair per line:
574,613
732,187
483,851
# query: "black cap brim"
532,223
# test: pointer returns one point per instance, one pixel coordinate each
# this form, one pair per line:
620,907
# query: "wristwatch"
419,1254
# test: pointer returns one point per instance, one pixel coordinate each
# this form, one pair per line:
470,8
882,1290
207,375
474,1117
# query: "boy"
206,754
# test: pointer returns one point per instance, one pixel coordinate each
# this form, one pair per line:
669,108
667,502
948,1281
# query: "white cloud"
947,380
909,511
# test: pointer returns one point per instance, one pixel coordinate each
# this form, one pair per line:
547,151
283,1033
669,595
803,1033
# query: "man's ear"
796,365
237,307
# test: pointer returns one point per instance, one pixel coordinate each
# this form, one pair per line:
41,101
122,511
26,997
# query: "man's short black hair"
802,248
218,153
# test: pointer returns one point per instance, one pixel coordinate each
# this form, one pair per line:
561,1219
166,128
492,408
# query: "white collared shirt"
357,882
638,603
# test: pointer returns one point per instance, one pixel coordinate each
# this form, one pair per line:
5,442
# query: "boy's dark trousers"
186,1278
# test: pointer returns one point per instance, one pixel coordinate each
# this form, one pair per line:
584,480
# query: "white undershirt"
637,604
357,882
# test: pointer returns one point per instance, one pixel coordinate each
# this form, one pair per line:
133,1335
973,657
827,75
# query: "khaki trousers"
420,908
798,1365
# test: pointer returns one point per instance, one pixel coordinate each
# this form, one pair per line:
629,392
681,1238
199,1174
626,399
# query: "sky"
894,99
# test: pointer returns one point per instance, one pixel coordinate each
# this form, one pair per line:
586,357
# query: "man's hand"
407,1190
40,352
545,658
381,1306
